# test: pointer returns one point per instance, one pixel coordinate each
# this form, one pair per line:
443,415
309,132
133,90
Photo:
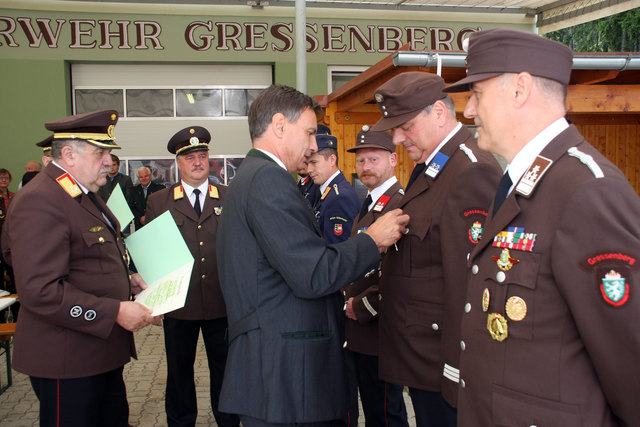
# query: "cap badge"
366,128
516,308
614,288
486,297
504,261
379,98
194,140
113,116
192,131
110,131
497,326
475,232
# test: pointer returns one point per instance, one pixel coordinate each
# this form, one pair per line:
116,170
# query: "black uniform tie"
365,207
417,170
501,194
196,205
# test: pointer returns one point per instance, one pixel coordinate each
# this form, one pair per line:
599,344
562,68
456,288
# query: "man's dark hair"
277,99
4,171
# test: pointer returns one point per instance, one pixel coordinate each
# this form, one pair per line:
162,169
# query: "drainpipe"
301,46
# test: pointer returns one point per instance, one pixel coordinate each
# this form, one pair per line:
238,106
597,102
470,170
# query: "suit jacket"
125,184
362,334
336,209
204,299
423,282
139,201
309,190
570,359
71,276
280,280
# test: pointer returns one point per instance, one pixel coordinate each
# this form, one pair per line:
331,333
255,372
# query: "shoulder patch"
586,159
69,185
466,150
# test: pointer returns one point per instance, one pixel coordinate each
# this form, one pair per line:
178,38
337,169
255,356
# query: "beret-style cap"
503,50
95,127
192,138
368,138
405,95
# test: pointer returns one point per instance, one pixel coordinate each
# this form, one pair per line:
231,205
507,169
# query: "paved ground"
145,378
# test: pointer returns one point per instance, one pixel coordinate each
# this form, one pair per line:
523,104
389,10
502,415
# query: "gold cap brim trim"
87,136
192,147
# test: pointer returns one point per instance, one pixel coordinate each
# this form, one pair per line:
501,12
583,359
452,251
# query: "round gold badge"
516,308
497,326
485,299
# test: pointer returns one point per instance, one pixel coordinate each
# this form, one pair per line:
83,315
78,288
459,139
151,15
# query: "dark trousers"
180,340
432,410
382,402
98,400
255,422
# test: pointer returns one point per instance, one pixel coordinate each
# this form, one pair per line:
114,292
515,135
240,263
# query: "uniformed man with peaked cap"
549,328
45,144
382,402
423,282
74,334
196,206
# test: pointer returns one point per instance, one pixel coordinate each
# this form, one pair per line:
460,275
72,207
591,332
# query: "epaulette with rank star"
69,185
178,192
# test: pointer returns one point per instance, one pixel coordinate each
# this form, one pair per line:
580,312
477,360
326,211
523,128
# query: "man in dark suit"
196,206
338,204
382,402
280,278
73,336
141,193
423,284
116,178
549,331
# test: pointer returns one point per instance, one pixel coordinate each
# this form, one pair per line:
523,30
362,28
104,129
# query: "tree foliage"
615,33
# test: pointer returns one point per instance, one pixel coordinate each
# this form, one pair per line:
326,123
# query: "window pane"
88,100
149,103
235,102
198,102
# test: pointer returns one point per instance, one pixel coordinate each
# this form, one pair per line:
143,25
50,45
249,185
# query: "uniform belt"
244,325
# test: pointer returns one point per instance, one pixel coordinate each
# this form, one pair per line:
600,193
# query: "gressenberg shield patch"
614,288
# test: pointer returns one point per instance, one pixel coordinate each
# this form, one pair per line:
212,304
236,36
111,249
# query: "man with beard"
196,206
74,334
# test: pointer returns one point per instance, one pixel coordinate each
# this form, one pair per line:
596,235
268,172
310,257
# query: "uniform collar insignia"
213,192
381,203
69,185
436,165
178,192
533,175
326,193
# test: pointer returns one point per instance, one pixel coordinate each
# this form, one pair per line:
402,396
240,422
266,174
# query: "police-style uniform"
338,204
382,403
549,329
423,281
71,273
204,308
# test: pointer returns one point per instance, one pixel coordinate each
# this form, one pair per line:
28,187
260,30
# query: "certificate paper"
164,261
119,207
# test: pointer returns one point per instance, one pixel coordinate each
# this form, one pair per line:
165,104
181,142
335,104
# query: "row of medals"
516,309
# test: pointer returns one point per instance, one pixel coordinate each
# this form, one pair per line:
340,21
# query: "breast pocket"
101,246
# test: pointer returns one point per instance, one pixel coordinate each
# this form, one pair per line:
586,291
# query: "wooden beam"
603,99
590,77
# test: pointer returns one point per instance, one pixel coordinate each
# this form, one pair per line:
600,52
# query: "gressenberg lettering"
223,36
604,257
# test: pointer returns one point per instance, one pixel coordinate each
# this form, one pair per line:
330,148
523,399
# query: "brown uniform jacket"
572,358
204,299
362,334
71,277
423,282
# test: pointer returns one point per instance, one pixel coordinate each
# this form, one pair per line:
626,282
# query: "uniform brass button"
199,227
501,277
462,345
379,297
344,345
435,326
202,259
101,239
467,307
204,276
468,256
475,269
462,383
201,243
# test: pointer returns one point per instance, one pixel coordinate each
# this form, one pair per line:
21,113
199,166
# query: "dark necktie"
417,170
196,205
365,207
501,194
93,199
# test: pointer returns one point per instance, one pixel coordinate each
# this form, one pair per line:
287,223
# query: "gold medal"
497,326
504,261
516,308
485,299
